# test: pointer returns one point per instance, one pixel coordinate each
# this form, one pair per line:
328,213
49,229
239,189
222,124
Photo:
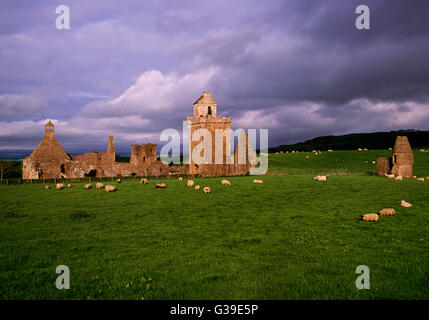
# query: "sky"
132,68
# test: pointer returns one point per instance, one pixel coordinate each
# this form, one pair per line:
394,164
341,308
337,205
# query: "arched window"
209,111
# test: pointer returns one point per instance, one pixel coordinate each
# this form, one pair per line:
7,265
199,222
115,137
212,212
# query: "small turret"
205,106
49,130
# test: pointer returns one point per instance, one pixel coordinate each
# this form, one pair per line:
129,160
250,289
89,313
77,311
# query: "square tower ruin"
204,162
210,143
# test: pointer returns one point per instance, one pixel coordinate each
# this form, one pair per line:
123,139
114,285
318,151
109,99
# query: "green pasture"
288,238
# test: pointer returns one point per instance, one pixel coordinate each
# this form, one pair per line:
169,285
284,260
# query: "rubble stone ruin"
50,160
402,160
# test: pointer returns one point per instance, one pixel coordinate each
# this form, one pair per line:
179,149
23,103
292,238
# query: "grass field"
339,162
289,238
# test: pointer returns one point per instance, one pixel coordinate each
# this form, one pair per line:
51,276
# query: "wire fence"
282,171
323,171
11,181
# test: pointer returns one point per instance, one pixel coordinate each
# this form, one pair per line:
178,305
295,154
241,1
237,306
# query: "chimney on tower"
111,146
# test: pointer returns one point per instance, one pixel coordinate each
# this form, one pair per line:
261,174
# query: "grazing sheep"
359,149
330,150
160,185
88,186
258,181
427,178
190,183
143,181
306,157
59,186
197,188
47,187
69,185
226,183
207,190
405,204
387,212
398,178
373,217
414,177
99,185
421,179
320,178
110,188
365,149
180,178
118,181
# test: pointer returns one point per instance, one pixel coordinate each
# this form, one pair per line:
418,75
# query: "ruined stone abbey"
49,160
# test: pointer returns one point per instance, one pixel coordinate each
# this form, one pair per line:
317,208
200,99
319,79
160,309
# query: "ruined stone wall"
86,165
383,166
49,160
143,154
99,164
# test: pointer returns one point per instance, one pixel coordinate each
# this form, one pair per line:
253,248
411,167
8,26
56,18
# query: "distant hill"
374,140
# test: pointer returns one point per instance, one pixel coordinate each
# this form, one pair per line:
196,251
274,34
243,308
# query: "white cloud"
154,93
136,116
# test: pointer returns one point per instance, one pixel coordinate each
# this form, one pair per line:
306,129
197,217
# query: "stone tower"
402,158
210,160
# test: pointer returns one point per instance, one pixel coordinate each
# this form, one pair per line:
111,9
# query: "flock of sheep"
110,188
191,183
400,178
373,217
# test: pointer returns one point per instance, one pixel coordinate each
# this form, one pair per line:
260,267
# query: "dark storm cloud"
134,68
